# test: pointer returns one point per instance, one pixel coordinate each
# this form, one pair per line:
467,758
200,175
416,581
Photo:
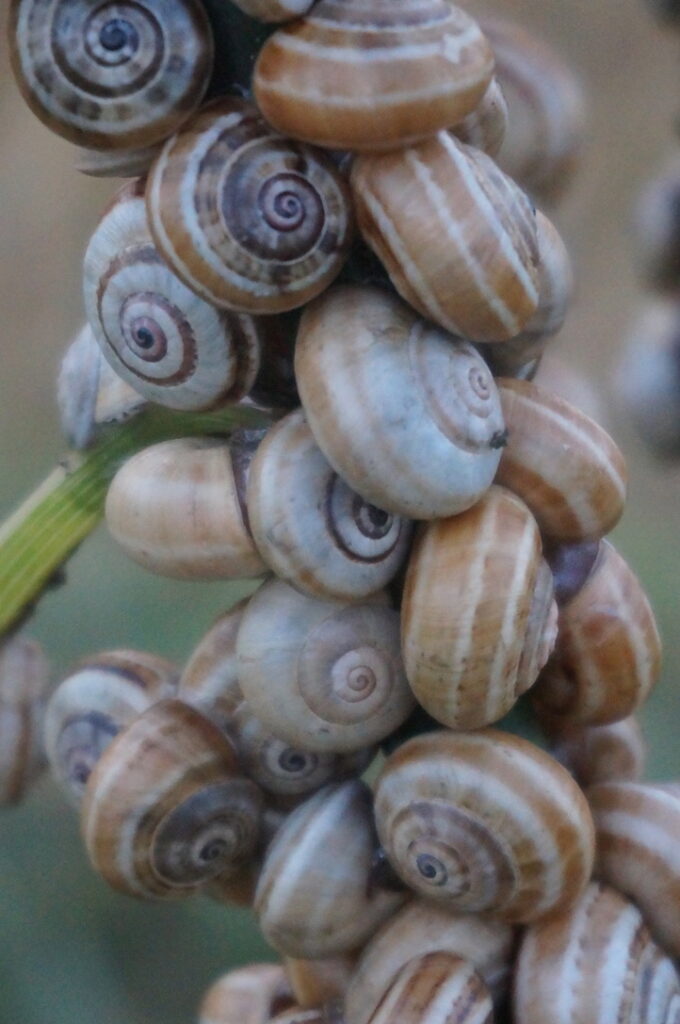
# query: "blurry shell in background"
24,680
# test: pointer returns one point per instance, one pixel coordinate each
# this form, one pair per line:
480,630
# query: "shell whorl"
438,988
247,995
24,680
111,75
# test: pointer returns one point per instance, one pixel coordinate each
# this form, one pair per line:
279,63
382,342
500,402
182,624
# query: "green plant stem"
38,538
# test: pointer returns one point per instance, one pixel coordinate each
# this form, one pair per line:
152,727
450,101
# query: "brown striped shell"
380,387
593,964
561,463
484,822
170,345
249,220
165,809
178,508
111,75
247,995
372,74
101,696
608,652
315,896
274,10
457,237
24,679
313,530
637,827
485,127
602,753
436,988
478,616
319,981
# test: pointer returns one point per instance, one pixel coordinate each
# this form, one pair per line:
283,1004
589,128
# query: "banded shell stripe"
437,988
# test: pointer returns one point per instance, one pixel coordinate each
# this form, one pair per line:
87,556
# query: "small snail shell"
485,822
209,680
325,676
247,995
310,527
177,508
93,703
111,76
478,616
326,79
314,897
116,163
637,827
315,982
249,220
602,753
274,10
436,988
165,810
595,962
608,652
561,463
380,387
457,237
24,679
420,928
657,224
485,127
168,344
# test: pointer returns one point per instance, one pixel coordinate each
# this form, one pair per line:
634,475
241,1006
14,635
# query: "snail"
238,886
247,995
168,344
209,680
456,235
595,962
325,79
178,508
165,810
274,10
437,988
314,897
111,75
485,127
249,220
484,822
319,981
602,753
310,527
478,616
24,679
327,677
657,230
413,390
101,696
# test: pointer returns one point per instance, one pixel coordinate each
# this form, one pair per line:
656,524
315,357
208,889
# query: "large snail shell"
170,345
310,527
248,995
485,822
165,810
111,75
595,963
248,220
420,928
314,897
380,388
315,982
326,79
478,616
602,753
457,237
561,463
436,988
91,706
608,652
24,679
637,827
485,127
178,508
209,680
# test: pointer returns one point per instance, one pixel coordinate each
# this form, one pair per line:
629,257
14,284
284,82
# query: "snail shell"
380,387
561,463
103,695
209,680
116,163
485,822
657,224
314,897
310,527
485,127
595,962
478,616
168,344
457,237
111,75
248,995
331,1013
637,827
249,220
316,982
436,988
274,10
178,509
24,679
422,927
602,753
608,652
165,810
325,676
327,79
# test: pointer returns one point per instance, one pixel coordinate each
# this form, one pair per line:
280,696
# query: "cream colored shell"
247,995
318,981
436,988
209,680
24,680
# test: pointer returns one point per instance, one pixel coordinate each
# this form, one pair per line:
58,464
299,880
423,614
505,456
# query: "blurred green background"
71,952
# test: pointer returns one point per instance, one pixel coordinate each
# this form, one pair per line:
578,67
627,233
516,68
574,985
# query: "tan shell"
602,753
316,982
247,995
485,127
24,680
209,680
117,163
436,988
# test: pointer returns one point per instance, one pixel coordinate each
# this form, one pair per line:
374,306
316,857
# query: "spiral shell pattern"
602,753
170,345
485,822
437,988
250,221
24,679
247,995
165,810
111,74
